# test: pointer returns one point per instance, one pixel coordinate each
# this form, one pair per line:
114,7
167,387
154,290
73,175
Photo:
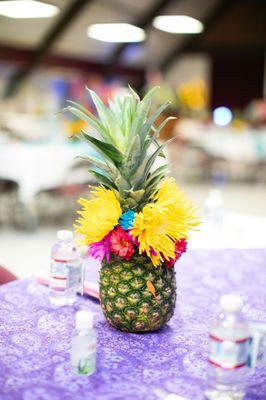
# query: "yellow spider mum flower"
160,224
99,215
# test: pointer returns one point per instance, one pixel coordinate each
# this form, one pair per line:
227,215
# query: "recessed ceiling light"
116,33
27,9
177,24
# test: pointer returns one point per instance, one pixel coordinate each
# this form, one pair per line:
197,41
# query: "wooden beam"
143,22
191,40
22,57
56,31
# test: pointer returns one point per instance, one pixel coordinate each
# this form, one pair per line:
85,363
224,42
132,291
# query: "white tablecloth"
247,146
37,167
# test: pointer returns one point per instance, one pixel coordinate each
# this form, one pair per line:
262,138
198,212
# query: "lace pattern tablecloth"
35,337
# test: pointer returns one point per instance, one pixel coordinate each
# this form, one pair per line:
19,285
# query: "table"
39,166
36,167
35,337
240,146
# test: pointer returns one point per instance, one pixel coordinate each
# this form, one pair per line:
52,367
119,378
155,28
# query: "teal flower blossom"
127,220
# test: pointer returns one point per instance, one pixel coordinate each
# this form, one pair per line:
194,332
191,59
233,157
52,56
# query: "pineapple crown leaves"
121,135
106,149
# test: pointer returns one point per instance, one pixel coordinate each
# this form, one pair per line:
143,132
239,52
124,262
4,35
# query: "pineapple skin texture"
127,303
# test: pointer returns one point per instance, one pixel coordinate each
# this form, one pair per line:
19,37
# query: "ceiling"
73,42
230,26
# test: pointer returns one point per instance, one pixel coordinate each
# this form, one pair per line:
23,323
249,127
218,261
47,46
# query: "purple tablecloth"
35,337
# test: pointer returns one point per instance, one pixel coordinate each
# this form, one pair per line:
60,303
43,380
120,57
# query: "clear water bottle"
214,211
83,347
65,270
228,351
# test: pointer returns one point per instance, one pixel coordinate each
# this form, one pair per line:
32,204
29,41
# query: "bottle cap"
84,320
64,235
231,302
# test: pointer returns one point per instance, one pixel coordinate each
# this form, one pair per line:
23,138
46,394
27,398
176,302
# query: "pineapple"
135,296
127,302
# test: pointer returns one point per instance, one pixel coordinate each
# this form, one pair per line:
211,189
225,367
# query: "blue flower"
127,220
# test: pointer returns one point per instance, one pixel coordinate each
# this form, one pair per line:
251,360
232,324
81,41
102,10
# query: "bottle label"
65,274
84,360
74,274
228,354
58,274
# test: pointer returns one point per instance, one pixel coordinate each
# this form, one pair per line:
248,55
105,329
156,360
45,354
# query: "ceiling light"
222,116
116,33
177,24
27,9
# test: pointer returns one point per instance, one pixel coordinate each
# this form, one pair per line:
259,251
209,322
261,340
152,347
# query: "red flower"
180,248
121,244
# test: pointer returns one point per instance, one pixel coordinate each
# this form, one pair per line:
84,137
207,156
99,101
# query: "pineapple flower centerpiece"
136,221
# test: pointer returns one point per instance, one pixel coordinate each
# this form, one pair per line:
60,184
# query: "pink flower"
153,252
180,248
121,244
133,239
100,250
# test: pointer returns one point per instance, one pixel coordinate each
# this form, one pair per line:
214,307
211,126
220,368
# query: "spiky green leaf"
133,158
102,177
135,95
107,167
107,117
158,129
105,148
147,127
151,161
159,172
142,111
91,121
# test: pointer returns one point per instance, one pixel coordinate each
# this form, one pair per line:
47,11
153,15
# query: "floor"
243,225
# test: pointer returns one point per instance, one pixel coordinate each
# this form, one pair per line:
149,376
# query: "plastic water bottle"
214,209
228,351
83,348
65,270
